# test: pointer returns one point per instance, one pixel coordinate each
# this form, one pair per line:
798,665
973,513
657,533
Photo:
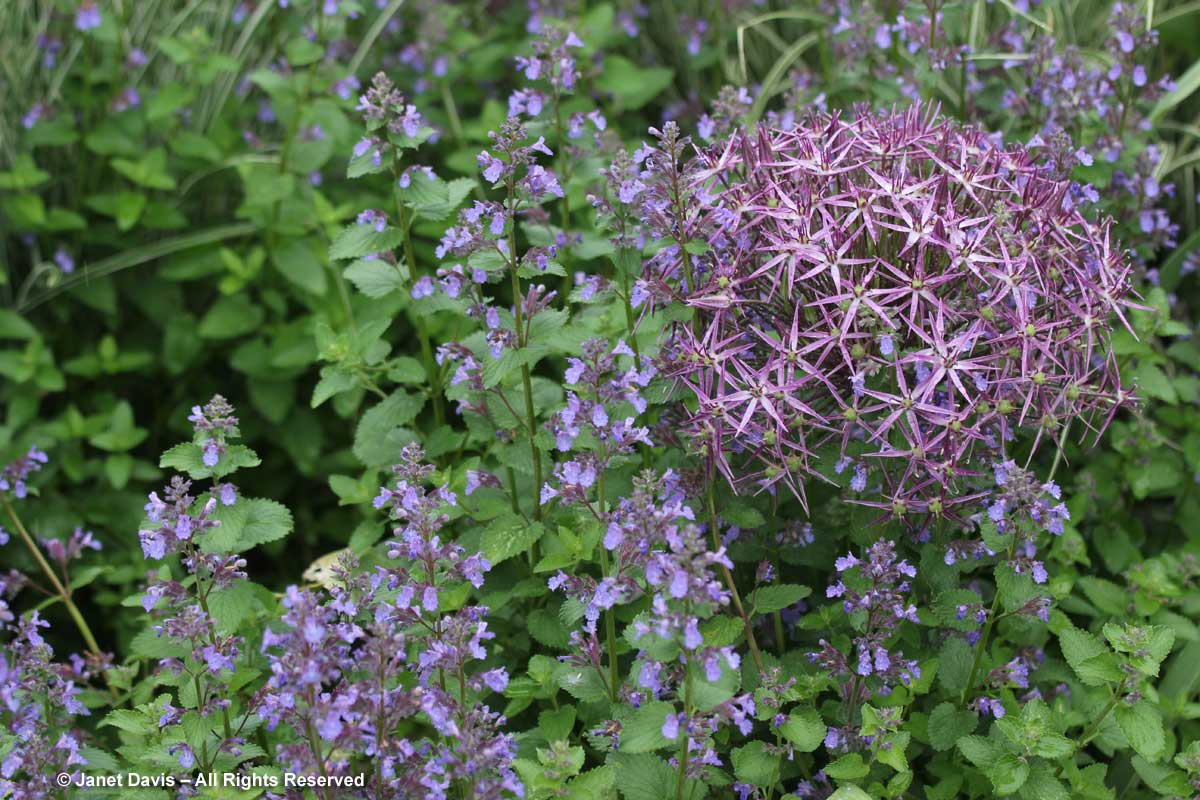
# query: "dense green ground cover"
767,398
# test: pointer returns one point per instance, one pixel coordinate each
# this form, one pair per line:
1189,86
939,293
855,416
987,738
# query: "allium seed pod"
894,291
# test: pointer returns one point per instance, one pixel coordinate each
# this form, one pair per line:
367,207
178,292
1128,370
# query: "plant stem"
63,592
630,318
1062,441
202,597
315,743
729,583
681,778
432,371
564,168
981,645
1091,729
456,127
610,621
526,378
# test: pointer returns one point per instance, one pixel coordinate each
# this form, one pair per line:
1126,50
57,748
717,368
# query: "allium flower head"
892,288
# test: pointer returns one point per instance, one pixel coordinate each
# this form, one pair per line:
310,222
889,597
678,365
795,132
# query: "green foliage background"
202,246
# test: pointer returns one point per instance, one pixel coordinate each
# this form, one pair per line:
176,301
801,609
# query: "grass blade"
139,255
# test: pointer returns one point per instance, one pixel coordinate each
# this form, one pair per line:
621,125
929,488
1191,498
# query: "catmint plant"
39,703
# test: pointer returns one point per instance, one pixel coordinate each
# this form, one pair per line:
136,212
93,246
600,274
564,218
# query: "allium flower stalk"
893,291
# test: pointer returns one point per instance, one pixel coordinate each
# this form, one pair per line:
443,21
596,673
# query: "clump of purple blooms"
875,594
15,473
896,289
355,663
39,700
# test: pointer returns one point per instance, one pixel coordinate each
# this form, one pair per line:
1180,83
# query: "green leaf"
1052,746
190,144
297,263
948,724
1163,778
1099,670
1145,646
979,751
230,316
380,435
375,277
892,750
754,765
334,381
1008,773
642,776
247,523
25,211
595,784
1143,727
125,207
132,721
1106,596
233,605
149,171
776,597
1043,785
1185,86
432,198
1086,655
1151,381
25,174
642,733
849,767
188,457
300,52
557,725
1015,590
149,644
356,241
632,86
954,664
804,728
850,792
14,326
580,682
509,536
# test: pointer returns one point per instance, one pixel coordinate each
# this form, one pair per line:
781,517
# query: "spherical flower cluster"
895,289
